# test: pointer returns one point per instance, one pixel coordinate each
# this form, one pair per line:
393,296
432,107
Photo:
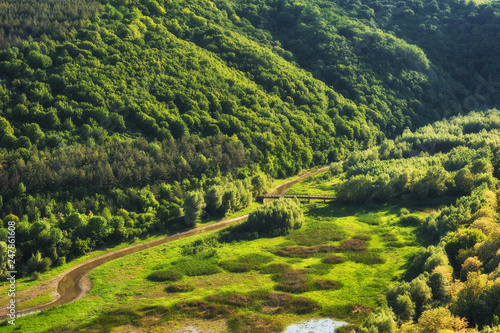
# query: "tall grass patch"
108,321
294,281
234,299
165,275
370,218
367,258
253,261
251,323
180,288
274,268
317,234
204,309
203,263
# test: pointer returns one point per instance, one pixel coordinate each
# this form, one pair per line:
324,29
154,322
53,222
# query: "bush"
411,219
38,264
276,218
201,245
336,168
165,275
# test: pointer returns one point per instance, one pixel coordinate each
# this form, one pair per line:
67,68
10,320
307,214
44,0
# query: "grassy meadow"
338,265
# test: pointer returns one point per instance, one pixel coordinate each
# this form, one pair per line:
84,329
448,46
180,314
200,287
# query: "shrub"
276,218
319,269
165,275
411,219
201,245
347,328
38,264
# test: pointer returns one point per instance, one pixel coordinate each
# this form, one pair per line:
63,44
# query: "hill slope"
118,109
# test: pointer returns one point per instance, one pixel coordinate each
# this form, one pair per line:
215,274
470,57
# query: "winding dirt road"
74,283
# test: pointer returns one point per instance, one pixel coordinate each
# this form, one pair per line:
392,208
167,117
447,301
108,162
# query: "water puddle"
315,326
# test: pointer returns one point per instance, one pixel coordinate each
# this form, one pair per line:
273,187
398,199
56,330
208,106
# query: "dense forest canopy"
121,115
454,283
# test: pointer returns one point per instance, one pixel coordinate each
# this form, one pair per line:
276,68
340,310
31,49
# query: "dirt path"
74,283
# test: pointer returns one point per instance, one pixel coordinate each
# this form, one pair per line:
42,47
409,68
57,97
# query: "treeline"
447,158
453,284
55,232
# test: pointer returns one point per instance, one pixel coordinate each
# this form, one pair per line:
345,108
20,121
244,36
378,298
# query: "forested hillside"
454,283
112,113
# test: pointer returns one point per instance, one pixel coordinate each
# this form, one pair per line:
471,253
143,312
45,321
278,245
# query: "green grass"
320,184
269,291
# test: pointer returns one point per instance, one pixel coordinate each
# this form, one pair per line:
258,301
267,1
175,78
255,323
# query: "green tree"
193,208
276,218
440,285
381,321
421,293
464,181
404,307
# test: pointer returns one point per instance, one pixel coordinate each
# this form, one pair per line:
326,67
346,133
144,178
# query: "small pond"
315,326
